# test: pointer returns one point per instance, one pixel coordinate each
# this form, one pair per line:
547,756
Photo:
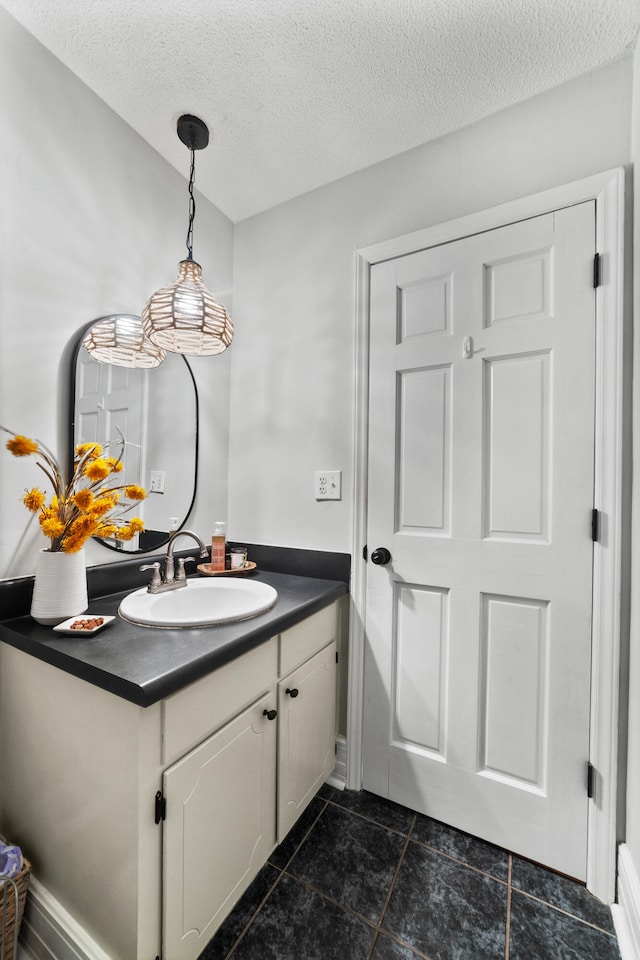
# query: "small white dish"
66,625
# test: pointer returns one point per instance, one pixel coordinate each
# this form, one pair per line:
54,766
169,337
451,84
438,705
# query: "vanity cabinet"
85,775
237,793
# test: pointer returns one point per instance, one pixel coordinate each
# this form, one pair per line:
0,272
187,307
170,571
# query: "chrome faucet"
172,580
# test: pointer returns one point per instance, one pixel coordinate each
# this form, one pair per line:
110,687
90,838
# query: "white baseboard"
49,932
626,912
338,778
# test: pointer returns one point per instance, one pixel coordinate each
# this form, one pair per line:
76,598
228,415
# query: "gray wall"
93,221
292,391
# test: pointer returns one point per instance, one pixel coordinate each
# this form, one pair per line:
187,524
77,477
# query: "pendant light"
119,340
185,317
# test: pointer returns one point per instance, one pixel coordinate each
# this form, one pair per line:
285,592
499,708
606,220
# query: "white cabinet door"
219,828
307,735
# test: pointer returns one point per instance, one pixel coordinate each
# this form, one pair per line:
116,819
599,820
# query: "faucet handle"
181,575
155,579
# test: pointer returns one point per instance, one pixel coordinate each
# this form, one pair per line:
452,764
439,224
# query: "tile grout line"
361,816
281,873
507,935
414,951
253,916
565,913
357,916
461,863
329,899
304,839
392,885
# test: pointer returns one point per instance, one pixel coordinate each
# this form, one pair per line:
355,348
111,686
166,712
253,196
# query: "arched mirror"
156,410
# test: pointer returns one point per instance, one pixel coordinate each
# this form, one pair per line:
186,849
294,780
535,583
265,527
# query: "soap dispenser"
218,546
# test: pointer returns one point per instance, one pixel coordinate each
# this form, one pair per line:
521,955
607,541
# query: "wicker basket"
13,894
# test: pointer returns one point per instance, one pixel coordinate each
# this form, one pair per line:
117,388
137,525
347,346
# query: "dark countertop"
146,664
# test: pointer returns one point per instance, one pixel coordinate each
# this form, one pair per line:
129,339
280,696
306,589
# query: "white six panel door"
477,673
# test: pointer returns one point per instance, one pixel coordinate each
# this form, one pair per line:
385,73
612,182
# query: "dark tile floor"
360,878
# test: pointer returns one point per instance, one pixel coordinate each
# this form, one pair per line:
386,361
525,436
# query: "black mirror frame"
75,345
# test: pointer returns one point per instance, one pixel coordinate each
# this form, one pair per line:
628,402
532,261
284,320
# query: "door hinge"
597,271
161,807
595,525
591,781
365,552
336,656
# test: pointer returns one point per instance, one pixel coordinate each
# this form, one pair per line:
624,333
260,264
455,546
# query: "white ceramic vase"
60,587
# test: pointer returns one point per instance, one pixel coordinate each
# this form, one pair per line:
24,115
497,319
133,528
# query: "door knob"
270,714
380,556
293,691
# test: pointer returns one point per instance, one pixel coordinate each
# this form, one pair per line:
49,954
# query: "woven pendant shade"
119,340
185,318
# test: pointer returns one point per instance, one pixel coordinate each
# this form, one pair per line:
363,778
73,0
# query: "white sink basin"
201,603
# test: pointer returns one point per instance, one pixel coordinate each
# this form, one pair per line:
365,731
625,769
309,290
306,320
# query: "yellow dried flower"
115,464
74,542
103,505
79,532
34,499
97,469
85,524
129,530
134,492
94,448
83,499
125,533
106,530
22,446
52,527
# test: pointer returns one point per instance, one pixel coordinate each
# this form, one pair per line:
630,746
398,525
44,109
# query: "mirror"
157,412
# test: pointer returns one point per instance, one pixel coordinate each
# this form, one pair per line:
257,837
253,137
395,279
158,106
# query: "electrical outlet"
157,481
329,485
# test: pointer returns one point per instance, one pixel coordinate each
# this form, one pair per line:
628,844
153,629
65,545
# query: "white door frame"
607,190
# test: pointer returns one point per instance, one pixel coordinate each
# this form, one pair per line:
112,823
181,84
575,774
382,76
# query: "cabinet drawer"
306,638
193,713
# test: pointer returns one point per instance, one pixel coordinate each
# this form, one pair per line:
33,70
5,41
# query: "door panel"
516,452
477,668
514,690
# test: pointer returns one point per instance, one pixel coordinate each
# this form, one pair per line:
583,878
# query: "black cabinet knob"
293,692
270,714
381,556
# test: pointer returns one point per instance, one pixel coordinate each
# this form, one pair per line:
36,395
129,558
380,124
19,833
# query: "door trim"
607,190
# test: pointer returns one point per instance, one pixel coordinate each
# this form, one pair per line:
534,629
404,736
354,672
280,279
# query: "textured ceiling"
297,93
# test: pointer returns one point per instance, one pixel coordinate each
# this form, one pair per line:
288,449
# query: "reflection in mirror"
157,412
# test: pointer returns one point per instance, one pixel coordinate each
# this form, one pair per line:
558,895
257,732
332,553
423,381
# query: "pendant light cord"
192,206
